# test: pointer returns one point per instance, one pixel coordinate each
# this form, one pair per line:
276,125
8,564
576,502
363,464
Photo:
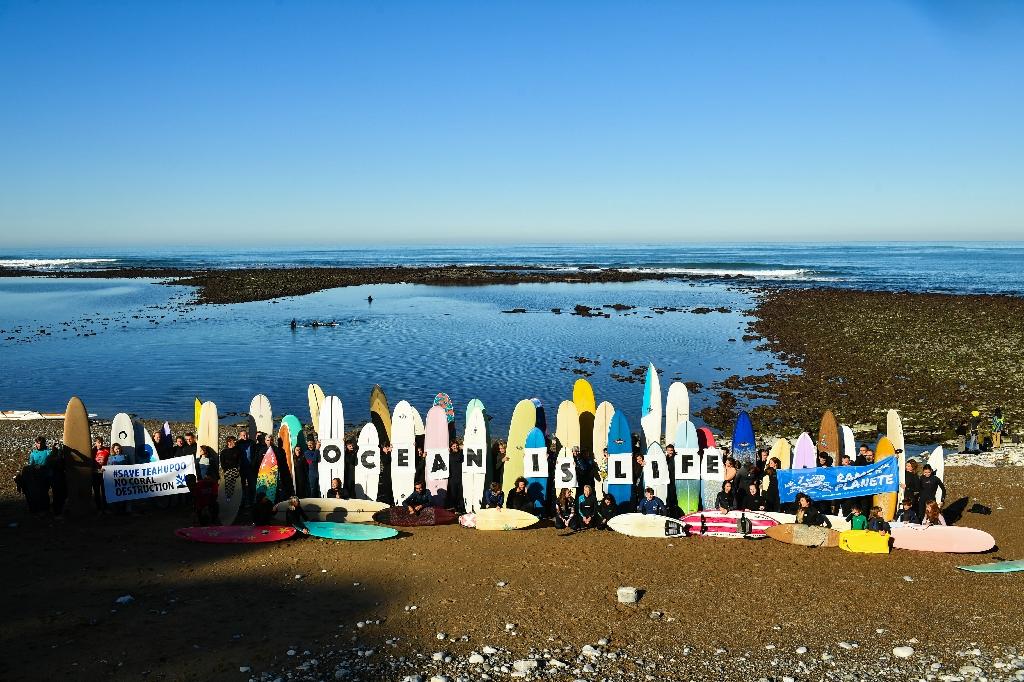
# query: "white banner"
123,482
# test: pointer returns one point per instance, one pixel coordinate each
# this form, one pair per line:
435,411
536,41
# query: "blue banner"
836,483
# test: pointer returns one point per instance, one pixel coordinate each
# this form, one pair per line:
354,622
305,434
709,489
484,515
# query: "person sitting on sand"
263,510
336,491
725,501
519,497
753,500
930,487
494,498
418,500
652,505
607,509
933,515
857,519
808,514
586,507
877,522
295,515
204,497
565,511
907,514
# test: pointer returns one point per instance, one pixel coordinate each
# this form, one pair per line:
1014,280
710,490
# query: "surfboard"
828,437
438,467
444,401
887,501
208,433
650,419
535,468
839,523
864,541
565,474
706,438
712,474
894,432
380,414
78,462
687,467
122,432
567,426
677,408
805,536
475,446
315,397
583,399
498,519
229,494
744,447
524,418
602,420
259,409
367,473
417,421
849,442
937,461
198,405
620,462
782,449
648,526
235,535
996,567
714,524
147,452
805,456
331,431
403,453
948,539
295,431
284,435
352,532
656,472
400,516
334,510
267,476
540,419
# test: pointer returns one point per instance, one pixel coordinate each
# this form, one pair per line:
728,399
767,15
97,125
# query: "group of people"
976,435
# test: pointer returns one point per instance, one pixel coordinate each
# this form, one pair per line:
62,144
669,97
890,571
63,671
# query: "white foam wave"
43,263
800,273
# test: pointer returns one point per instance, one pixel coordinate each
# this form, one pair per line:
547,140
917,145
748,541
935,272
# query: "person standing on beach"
301,474
770,484
911,488
248,467
998,424
350,468
972,432
164,448
100,453
35,478
312,462
930,487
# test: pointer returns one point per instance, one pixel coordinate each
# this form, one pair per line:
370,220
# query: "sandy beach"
458,603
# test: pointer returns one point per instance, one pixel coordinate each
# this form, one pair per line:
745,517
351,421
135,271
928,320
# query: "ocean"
136,346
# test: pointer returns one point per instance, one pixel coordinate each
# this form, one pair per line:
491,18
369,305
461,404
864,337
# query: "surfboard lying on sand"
805,536
865,541
349,531
996,567
498,519
715,524
336,511
235,535
648,526
950,539
400,516
839,523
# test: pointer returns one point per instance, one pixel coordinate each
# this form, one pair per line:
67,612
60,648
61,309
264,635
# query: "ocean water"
138,346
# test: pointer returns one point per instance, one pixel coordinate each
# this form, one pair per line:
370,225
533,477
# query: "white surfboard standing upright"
259,409
712,473
474,459
367,463
650,419
677,408
331,431
656,471
403,450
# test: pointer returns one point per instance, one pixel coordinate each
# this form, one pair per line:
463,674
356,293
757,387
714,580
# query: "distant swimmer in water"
369,299
294,324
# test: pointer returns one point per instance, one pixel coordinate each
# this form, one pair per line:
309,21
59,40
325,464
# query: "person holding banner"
116,458
100,453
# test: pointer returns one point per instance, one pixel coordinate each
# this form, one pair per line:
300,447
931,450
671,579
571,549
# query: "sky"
339,123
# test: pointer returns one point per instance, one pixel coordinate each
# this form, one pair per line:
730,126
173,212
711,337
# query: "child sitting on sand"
263,510
493,497
907,513
877,522
933,515
295,515
565,511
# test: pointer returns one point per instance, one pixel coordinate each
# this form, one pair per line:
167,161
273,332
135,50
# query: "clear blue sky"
347,122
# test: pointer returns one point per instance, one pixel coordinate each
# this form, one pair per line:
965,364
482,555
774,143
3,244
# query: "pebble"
908,578
501,583
524,665
509,627
489,650
590,651
656,615
627,595
971,671
476,659
903,651
244,668
125,600
801,650
441,635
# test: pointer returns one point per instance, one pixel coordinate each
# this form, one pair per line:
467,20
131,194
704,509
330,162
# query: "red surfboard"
235,535
400,516
718,525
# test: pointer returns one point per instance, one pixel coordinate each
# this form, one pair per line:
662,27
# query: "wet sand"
203,612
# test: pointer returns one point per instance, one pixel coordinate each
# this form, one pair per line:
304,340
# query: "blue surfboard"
349,531
744,447
537,486
620,442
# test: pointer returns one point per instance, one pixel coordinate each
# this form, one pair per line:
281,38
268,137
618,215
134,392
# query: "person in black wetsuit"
725,501
519,497
907,514
912,484
607,509
418,500
351,457
295,516
586,508
771,489
930,487
753,500
807,513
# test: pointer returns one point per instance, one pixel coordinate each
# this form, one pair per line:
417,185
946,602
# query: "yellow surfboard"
523,419
380,413
865,541
315,396
887,501
782,449
199,408
583,397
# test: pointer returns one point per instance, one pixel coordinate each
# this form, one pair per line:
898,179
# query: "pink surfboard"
951,539
235,535
438,467
806,455
718,525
